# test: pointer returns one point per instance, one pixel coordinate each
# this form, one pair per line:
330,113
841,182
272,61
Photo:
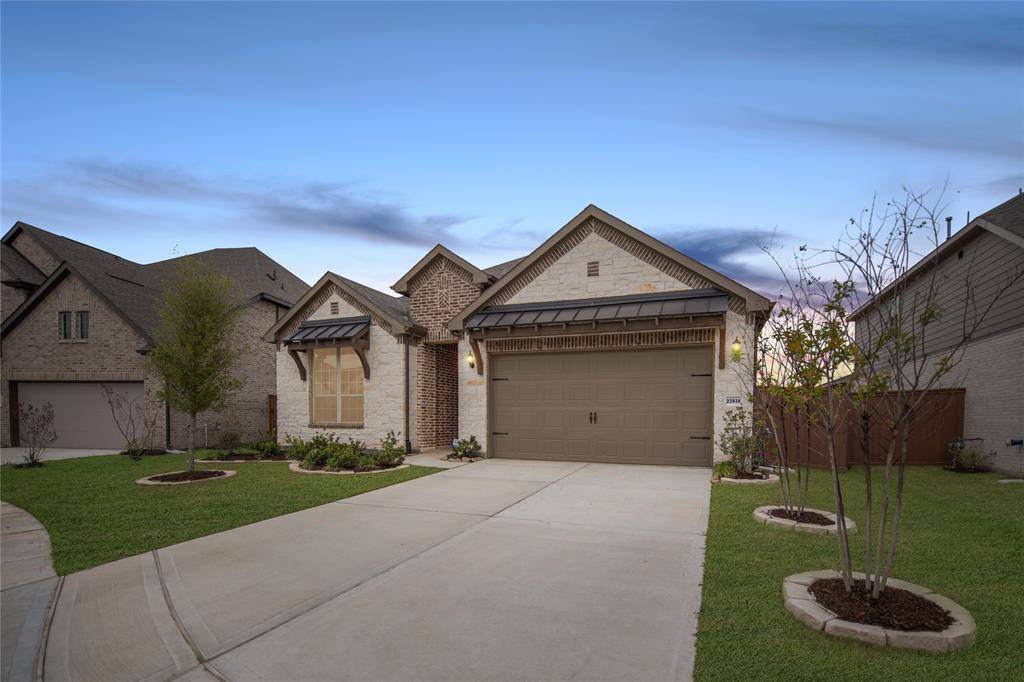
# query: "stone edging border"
802,604
228,473
761,515
294,466
772,478
243,461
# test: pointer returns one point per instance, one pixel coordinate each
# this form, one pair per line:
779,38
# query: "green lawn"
95,513
963,536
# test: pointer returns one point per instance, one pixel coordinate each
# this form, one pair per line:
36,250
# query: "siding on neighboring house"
987,262
991,366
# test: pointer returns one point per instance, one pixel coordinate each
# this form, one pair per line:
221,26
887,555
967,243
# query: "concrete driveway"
497,570
17,455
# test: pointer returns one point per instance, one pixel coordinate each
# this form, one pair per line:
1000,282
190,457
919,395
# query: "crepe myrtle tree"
784,375
194,354
898,359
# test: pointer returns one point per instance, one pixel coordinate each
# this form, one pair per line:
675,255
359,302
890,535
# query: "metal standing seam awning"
353,331
635,311
688,303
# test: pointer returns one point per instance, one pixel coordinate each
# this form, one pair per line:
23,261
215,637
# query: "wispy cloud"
958,138
113,190
735,252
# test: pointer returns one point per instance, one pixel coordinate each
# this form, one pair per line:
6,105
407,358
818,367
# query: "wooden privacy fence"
938,421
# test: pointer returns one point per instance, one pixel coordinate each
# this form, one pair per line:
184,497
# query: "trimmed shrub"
390,454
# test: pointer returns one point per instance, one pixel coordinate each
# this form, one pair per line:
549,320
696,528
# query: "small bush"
37,432
466,447
967,456
229,440
725,470
390,454
366,463
266,448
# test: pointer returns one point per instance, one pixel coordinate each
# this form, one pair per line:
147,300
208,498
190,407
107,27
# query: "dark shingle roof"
135,289
501,269
393,305
1008,215
17,268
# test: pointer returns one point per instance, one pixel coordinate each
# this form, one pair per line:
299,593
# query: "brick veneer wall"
383,393
11,298
437,417
437,293
36,254
33,352
246,412
992,374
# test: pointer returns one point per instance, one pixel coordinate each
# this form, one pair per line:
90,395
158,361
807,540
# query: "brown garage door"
635,406
81,413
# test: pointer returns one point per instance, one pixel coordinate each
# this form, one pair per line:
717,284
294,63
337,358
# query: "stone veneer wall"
620,273
384,392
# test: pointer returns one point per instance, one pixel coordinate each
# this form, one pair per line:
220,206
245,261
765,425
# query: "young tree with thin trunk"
194,355
897,361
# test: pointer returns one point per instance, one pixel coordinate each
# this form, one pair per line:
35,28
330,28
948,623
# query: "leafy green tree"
194,354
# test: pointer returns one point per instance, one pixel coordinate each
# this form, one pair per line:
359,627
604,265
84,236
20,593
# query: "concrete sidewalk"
499,569
27,585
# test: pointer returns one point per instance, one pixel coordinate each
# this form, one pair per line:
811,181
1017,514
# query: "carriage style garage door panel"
81,414
650,406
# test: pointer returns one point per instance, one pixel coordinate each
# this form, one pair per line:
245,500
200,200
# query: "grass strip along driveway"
95,512
962,535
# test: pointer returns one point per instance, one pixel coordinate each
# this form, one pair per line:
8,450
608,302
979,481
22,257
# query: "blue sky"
352,137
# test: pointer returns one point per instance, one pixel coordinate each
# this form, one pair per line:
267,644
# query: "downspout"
408,441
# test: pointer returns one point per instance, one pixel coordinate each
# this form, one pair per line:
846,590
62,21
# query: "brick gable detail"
437,294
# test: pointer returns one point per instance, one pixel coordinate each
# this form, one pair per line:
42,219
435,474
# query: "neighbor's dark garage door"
82,416
634,406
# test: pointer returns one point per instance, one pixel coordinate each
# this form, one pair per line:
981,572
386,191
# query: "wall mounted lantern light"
737,349
470,360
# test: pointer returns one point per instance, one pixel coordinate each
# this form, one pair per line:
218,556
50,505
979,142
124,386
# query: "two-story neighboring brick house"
603,344
77,319
979,274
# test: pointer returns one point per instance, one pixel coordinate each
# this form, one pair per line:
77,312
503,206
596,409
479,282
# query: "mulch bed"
894,609
179,476
803,517
955,470
747,476
253,458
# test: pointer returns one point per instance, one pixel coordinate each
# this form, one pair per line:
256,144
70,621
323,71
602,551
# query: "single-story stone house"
603,344
77,319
